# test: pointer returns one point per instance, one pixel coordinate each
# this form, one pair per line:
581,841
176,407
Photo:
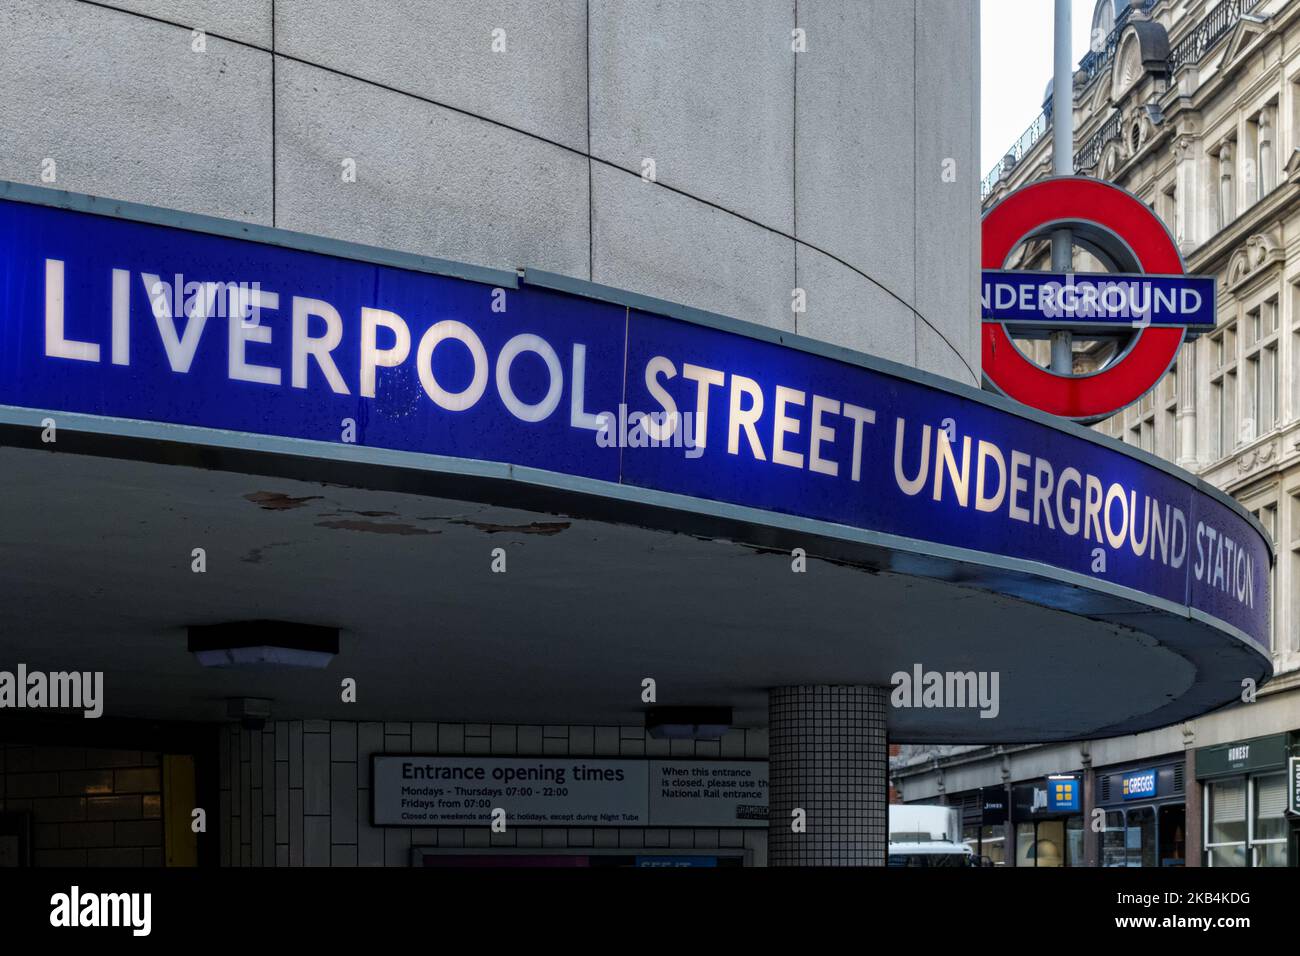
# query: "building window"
1227,188
1295,571
1267,516
1223,391
1259,348
1267,154
1248,173
1295,351
1103,21
1169,211
1142,423
1225,842
1168,433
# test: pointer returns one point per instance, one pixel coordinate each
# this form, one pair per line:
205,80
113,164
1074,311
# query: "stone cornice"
1258,464
1213,254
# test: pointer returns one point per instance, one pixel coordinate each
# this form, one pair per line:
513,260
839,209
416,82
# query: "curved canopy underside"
95,574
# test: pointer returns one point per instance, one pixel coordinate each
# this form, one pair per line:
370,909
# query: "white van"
926,836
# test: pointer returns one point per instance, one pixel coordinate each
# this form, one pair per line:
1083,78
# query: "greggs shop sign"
1138,785
126,319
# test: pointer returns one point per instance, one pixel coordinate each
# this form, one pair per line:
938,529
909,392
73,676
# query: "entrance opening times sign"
424,791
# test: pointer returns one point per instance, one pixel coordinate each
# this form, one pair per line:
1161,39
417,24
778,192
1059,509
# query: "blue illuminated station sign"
216,335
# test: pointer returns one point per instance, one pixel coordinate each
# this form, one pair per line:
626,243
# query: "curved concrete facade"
846,170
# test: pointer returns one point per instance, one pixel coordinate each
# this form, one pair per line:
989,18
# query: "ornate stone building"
1194,107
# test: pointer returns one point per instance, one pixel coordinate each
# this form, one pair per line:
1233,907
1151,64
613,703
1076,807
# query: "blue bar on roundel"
1103,300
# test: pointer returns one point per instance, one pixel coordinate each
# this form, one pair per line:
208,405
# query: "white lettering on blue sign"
1139,784
1031,298
1038,491
974,473
1222,564
1091,299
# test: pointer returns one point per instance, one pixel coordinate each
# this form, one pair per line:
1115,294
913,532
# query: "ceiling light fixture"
263,645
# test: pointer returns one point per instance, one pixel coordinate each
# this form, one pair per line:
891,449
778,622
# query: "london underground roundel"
1148,304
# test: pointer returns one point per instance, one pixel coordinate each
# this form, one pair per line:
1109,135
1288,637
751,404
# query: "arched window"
1104,16
1103,21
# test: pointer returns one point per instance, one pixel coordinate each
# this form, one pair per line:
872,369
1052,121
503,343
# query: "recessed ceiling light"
263,645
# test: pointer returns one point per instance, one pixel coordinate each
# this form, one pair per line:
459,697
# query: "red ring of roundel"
1078,199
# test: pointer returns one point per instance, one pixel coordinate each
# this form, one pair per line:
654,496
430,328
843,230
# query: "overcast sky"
1016,65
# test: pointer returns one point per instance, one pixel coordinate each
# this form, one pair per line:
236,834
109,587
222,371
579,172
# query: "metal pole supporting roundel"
1062,165
1118,221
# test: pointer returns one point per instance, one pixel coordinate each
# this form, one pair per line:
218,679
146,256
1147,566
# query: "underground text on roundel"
363,356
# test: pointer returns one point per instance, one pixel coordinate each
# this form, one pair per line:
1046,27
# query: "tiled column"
827,756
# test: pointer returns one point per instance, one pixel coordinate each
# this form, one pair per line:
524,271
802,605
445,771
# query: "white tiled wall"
297,793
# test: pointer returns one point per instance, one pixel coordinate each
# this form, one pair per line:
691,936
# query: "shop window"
1226,837
1025,852
1140,837
1113,850
1268,836
993,844
1050,843
1074,837
1145,836
1172,832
